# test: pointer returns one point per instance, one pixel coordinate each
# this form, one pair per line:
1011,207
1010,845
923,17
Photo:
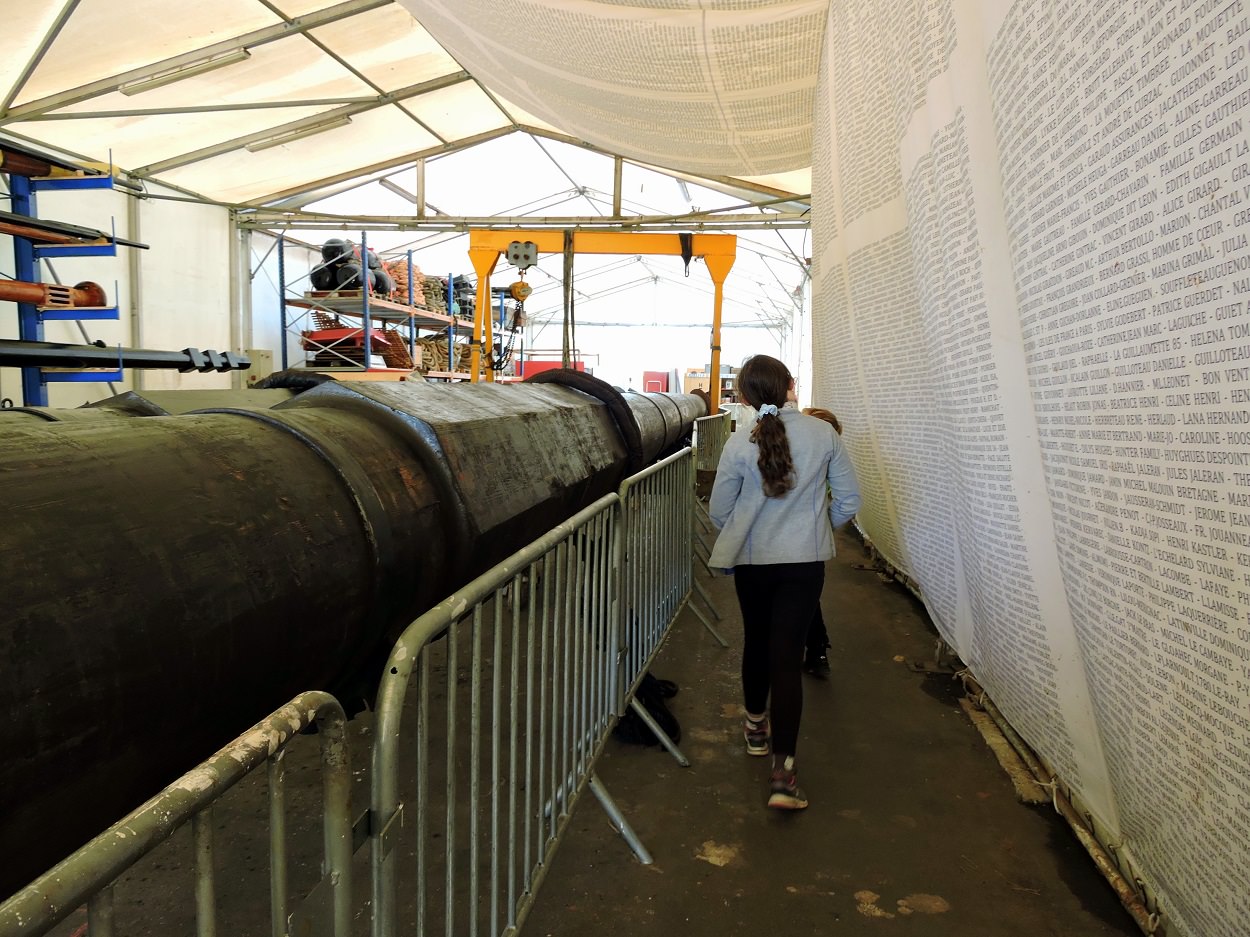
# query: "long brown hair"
764,380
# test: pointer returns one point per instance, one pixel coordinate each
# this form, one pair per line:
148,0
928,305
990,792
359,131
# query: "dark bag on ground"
651,694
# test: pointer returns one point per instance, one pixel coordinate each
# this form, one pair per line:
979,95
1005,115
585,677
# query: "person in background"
780,491
816,657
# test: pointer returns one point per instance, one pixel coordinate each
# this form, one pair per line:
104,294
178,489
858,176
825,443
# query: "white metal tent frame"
205,113
54,99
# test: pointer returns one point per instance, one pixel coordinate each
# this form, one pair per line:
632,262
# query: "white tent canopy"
326,119
220,99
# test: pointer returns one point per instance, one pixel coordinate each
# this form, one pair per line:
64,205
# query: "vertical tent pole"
364,296
282,296
718,266
412,324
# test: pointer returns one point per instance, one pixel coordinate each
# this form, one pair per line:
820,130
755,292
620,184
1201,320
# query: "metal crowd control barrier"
557,638
657,574
656,543
711,434
517,680
90,873
530,707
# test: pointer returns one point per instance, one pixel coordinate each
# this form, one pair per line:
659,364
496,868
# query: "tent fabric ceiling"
361,86
705,86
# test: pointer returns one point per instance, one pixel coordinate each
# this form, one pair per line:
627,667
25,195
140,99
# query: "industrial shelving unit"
46,240
362,307
700,379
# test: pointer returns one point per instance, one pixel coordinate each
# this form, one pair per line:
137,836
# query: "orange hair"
822,414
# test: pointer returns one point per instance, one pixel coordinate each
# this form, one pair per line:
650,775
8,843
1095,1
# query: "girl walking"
779,492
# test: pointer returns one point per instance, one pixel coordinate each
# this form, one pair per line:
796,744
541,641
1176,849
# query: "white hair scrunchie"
767,410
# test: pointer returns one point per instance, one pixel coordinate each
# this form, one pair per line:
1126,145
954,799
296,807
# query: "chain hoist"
522,255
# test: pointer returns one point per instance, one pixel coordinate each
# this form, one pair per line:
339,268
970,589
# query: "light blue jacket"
796,527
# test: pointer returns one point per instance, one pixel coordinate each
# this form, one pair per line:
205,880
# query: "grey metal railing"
710,435
557,638
512,740
492,711
89,874
656,544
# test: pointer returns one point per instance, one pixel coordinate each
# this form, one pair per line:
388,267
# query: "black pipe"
168,581
15,354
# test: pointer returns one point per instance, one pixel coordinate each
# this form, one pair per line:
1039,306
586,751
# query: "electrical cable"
500,361
569,341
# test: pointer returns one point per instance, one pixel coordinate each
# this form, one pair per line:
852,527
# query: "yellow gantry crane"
485,245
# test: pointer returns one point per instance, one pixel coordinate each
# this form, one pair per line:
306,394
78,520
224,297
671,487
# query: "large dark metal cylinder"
146,403
168,581
19,416
664,418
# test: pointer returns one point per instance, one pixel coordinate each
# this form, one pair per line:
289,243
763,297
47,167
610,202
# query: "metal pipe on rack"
19,161
15,354
169,581
85,293
21,164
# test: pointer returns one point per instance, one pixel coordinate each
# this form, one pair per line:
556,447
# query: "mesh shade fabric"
706,86
1041,371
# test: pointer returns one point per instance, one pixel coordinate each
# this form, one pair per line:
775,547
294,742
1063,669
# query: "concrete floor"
913,826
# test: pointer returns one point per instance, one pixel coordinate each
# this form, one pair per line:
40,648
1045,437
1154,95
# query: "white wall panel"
185,285
266,311
1032,269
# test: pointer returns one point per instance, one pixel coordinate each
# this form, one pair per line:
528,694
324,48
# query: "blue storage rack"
26,256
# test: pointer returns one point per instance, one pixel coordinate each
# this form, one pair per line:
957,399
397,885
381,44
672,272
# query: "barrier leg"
698,587
100,913
641,712
707,599
702,548
709,626
619,822
702,515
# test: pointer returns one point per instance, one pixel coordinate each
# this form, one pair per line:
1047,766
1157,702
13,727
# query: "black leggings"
777,602
817,634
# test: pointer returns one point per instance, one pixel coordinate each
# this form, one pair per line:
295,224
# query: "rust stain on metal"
410,479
